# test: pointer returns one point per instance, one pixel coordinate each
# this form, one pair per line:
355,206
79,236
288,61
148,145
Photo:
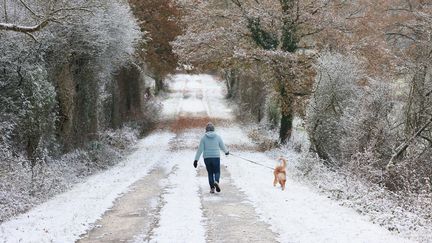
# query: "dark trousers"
213,170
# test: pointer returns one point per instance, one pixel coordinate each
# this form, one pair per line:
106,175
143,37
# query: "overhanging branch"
23,28
53,16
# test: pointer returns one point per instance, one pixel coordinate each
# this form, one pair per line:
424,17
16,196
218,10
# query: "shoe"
216,184
212,190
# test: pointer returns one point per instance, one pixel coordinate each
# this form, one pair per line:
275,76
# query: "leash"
251,161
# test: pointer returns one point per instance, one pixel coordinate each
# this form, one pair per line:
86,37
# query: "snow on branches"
34,18
36,76
59,93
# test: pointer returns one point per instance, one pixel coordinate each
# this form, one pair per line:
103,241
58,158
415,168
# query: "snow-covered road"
157,196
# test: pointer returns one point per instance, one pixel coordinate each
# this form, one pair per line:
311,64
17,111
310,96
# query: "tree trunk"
260,115
66,98
317,147
159,85
231,83
285,127
287,113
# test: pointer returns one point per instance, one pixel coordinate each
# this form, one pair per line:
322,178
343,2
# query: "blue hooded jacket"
210,145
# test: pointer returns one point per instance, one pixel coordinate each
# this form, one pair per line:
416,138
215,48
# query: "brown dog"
280,174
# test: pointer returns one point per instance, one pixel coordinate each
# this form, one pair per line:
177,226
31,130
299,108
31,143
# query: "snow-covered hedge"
58,90
22,187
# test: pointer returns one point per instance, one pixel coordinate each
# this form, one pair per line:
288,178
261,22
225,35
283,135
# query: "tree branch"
29,9
405,145
5,11
32,36
401,35
50,17
300,94
237,3
85,9
24,29
312,32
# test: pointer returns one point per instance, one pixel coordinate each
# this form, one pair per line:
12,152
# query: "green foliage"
262,38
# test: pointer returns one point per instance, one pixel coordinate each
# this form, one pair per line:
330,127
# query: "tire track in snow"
181,217
147,232
229,215
132,213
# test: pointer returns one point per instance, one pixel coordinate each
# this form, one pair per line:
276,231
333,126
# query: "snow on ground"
65,217
298,214
206,95
170,106
295,215
181,217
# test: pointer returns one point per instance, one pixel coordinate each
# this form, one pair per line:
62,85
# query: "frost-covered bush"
22,187
107,150
348,113
336,89
355,124
299,140
27,98
368,122
120,138
15,195
411,175
408,214
6,129
54,87
151,116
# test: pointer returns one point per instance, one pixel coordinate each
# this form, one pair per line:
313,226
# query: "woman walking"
210,145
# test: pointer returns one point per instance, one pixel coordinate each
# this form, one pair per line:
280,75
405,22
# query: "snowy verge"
299,213
65,217
405,214
374,203
23,187
408,215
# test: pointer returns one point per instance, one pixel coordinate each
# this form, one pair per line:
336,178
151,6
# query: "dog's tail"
283,162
